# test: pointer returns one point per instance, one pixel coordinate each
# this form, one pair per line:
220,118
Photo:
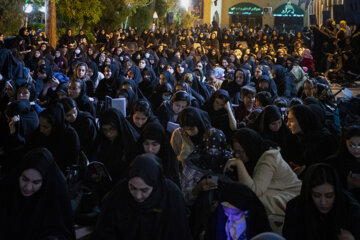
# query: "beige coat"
274,182
182,144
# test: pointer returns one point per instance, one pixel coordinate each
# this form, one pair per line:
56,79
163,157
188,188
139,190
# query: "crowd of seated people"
200,133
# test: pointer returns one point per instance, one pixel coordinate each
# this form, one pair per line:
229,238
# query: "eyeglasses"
354,146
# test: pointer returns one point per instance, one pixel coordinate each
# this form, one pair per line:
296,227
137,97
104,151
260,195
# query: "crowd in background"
225,134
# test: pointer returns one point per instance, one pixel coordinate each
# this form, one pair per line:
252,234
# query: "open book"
118,103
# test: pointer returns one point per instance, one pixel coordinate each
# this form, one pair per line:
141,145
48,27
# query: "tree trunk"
50,22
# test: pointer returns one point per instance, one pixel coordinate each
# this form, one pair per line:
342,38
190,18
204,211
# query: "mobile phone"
213,179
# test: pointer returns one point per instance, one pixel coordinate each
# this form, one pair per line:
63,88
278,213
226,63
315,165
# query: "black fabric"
244,199
83,102
272,86
194,117
169,162
314,144
285,84
151,119
45,214
253,144
90,84
213,163
107,87
14,144
161,216
86,128
116,155
165,113
270,114
63,142
304,221
130,98
219,119
344,162
27,124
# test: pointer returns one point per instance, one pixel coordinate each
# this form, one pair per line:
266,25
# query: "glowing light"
42,9
185,4
155,16
28,8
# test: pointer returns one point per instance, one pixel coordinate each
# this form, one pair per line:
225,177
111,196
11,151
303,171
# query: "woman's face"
163,79
57,54
224,63
30,182
139,189
74,90
80,71
199,66
37,54
249,101
108,61
151,146
61,95
218,104
233,213
71,115
170,69
107,72
239,152
239,77
275,126
139,118
142,64
110,132
308,90
323,197
23,93
179,69
102,58
293,123
90,73
258,73
191,131
353,146
45,126
178,106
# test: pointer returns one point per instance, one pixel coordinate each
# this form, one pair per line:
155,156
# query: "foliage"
162,7
141,19
11,16
38,3
183,19
37,26
117,11
79,13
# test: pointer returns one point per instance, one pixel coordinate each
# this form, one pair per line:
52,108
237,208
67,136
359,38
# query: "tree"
11,16
163,7
183,19
50,19
117,11
141,19
78,13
